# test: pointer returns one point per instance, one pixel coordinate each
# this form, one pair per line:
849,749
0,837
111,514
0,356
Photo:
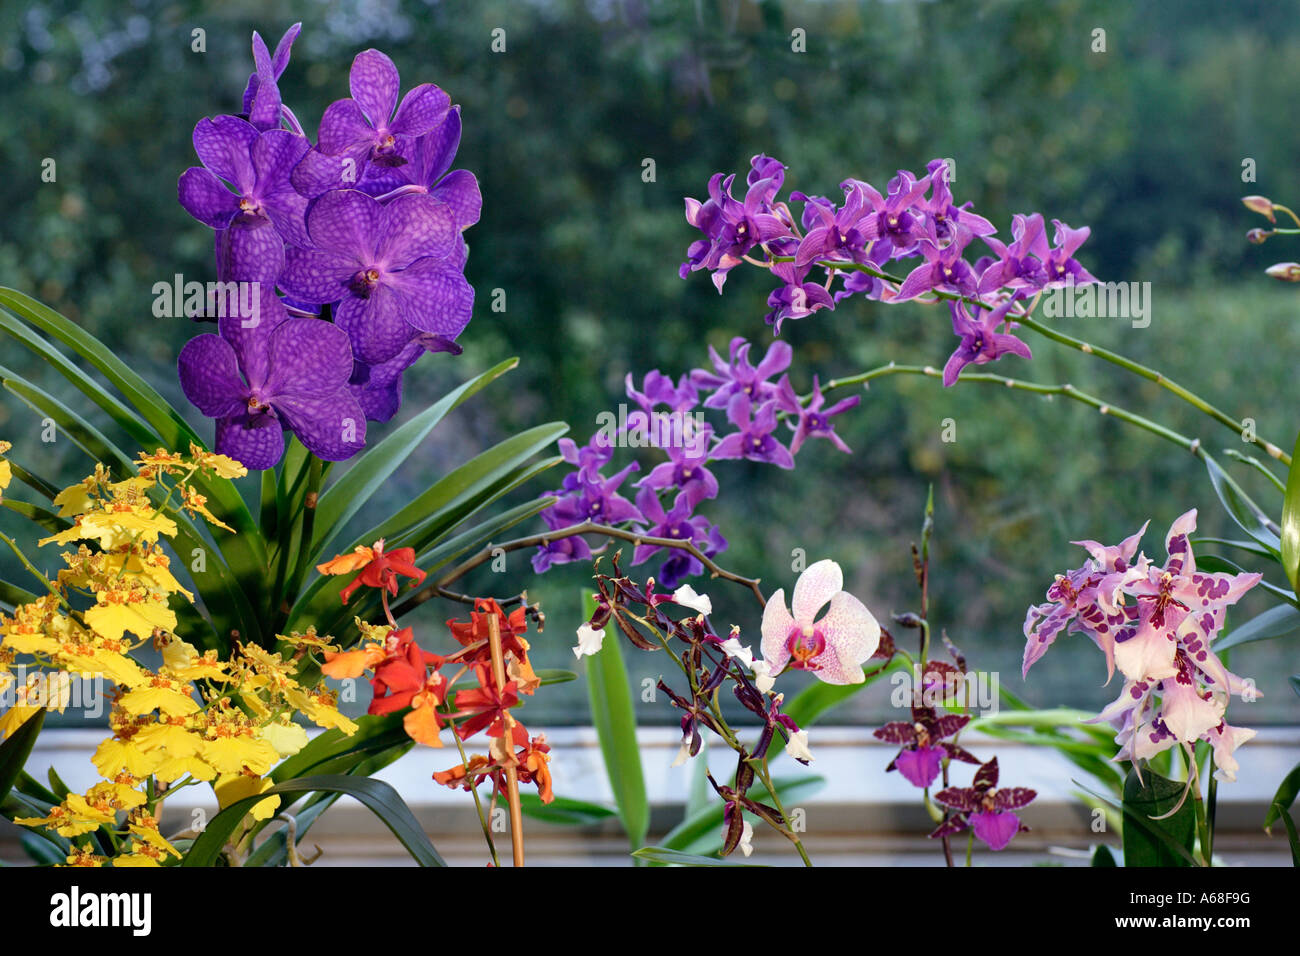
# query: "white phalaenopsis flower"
832,648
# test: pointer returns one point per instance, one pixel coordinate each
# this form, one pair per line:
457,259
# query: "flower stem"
1079,345
512,772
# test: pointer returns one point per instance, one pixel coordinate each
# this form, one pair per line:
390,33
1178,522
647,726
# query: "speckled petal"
374,84
205,198
435,297
343,126
223,144
333,428
415,227
817,585
422,109
308,358
375,326
252,251
777,623
248,332
460,191
346,222
209,376
317,276
437,149
852,635
257,449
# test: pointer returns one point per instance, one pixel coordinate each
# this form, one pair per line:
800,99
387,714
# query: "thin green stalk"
1105,355
306,532
1068,391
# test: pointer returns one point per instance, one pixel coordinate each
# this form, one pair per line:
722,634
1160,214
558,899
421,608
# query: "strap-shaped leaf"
1151,842
666,857
462,483
1275,622
375,465
445,505
1248,516
15,750
380,798
614,716
1290,545
171,429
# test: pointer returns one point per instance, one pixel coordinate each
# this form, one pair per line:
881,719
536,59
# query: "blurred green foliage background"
1145,142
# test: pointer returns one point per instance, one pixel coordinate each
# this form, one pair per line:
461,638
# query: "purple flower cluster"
1155,625
670,418
856,239
360,233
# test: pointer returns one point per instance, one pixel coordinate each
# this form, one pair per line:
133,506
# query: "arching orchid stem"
1114,358
587,527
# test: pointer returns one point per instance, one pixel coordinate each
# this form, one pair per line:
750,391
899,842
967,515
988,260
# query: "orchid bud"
1257,237
1260,205
1284,271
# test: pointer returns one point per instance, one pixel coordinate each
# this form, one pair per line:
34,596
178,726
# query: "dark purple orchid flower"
562,550
795,298
428,160
588,459
267,373
732,227
675,523
1016,266
738,377
924,744
364,129
686,469
944,270
838,235
754,440
682,565
896,225
989,811
393,268
981,342
596,498
944,216
262,103
812,421
243,191
1059,263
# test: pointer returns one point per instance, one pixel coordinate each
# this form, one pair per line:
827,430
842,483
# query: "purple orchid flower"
795,298
946,217
944,269
1015,267
754,440
676,523
896,225
596,498
262,103
561,550
738,377
924,745
989,811
588,459
258,379
812,421
364,129
426,171
981,343
732,227
1059,264
686,469
394,269
837,235
263,211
